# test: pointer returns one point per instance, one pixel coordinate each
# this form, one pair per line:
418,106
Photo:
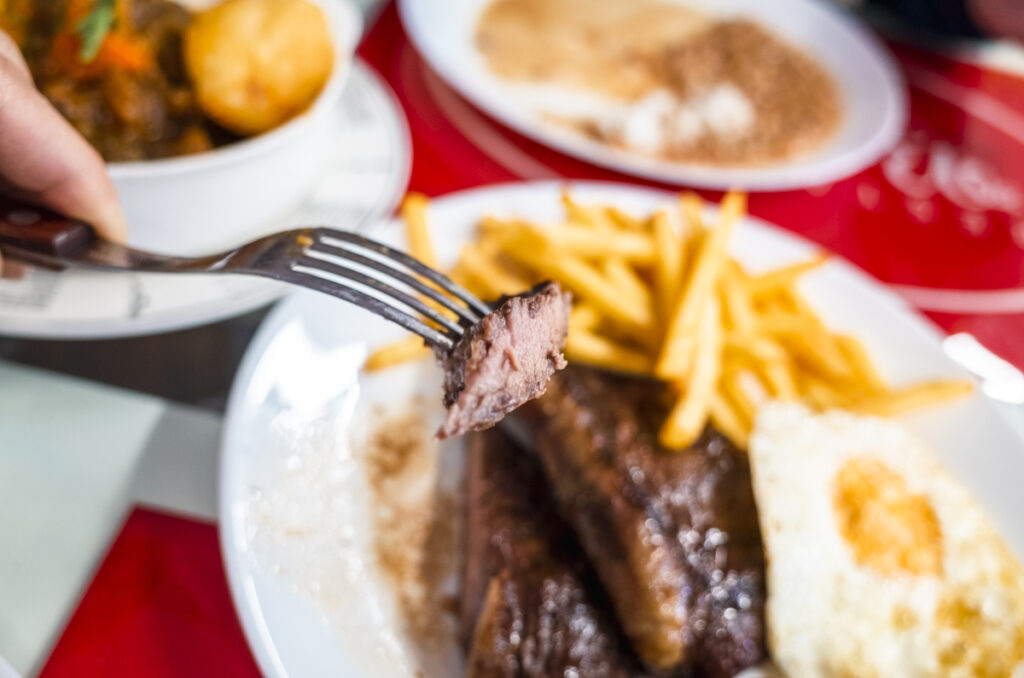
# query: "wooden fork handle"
29,227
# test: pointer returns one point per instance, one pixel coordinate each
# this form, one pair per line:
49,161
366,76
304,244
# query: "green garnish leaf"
94,27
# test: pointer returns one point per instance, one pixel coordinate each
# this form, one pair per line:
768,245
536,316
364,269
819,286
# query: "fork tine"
405,298
431,335
467,315
443,281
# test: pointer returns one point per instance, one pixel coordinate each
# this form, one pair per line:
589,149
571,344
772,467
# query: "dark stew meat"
132,100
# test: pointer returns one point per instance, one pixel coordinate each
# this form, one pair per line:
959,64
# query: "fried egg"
880,565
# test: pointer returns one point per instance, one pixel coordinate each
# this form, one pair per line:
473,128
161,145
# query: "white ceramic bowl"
210,201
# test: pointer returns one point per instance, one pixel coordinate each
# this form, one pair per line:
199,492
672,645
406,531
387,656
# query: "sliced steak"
505,359
672,534
526,608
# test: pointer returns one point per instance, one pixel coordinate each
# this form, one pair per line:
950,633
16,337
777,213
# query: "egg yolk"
890,529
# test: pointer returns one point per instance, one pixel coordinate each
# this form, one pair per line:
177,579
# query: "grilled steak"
673,534
526,609
505,359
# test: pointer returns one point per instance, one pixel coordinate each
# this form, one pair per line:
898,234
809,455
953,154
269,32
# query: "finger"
10,51
43,156
11,270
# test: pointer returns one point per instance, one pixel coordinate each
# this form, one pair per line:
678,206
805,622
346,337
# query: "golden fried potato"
656,300
257,63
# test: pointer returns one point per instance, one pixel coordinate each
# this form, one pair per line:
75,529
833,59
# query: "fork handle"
39,230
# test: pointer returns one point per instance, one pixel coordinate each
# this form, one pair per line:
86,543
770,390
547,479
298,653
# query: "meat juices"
505,360
527,609
672,534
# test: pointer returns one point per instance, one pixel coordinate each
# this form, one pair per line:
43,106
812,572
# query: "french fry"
491,227
414,214
737,311
900,400
757,347
676,353
692,208
633,289
652,299
481,266
780,380
735,384
481,288
587,283
789,297
860,364
728,420
774,322
397,353
584,317
690,413
623,220
821,393
575,212
774,374
813,327
739,405
808,342
754,386
784,277
669,264
820,396
590,348
613,248
735,270
769,360
820,353
584,242
596,218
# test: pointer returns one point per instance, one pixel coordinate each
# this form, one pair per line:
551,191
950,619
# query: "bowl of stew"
188,184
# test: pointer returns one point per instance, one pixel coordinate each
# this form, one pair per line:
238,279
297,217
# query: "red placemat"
941,218
159,606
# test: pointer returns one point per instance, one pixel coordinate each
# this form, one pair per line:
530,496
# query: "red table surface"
942,218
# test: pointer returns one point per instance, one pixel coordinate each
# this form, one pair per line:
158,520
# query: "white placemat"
65,477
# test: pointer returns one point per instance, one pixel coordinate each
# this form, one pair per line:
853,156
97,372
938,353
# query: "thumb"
43,158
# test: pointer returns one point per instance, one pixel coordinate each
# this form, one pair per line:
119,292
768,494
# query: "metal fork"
367,273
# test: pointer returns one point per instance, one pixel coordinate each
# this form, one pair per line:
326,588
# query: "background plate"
874,100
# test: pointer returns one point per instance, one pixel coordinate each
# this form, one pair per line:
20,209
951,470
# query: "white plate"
292,415
872,91
367,175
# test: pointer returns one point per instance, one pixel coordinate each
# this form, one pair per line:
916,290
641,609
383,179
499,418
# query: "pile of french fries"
660,296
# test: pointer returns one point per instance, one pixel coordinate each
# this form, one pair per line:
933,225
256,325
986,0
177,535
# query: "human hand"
43,160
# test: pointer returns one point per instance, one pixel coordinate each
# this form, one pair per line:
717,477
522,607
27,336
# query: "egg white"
832,616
